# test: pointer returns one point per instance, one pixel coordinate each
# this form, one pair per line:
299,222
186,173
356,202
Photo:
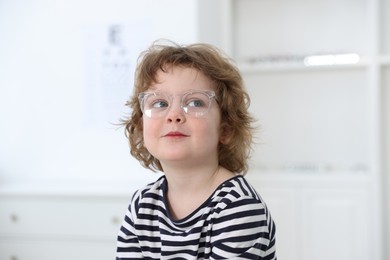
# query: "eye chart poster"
111,55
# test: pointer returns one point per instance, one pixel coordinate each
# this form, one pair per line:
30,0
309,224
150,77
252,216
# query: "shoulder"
236,199
149,194
241,223
237,189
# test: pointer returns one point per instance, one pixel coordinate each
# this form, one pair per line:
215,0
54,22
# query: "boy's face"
176,137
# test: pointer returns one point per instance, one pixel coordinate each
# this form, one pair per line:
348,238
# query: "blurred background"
318,73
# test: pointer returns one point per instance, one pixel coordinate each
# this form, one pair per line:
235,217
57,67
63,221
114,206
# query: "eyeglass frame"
210,93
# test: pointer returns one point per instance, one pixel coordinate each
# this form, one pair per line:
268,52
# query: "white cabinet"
315,72
318,217
59,227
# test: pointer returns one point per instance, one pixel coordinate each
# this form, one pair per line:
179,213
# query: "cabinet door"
336,224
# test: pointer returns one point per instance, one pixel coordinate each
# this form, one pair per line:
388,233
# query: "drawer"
55,249
65,216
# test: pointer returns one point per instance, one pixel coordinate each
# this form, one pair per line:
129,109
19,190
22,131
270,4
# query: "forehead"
179,79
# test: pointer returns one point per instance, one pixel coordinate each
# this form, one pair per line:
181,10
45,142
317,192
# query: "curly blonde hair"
233,101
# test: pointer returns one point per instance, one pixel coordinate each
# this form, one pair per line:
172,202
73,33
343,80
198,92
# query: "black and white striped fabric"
234,223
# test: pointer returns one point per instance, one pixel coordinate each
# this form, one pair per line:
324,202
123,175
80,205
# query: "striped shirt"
233,223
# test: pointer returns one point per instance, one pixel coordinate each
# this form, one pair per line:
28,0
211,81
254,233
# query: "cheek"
149,130
213,130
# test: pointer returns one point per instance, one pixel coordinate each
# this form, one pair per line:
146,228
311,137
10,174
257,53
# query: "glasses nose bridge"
176,102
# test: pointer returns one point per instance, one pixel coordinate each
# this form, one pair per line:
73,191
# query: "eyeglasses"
194,103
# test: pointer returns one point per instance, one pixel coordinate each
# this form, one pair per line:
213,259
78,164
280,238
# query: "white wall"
54,108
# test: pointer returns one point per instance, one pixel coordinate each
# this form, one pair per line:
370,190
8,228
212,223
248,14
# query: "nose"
176,114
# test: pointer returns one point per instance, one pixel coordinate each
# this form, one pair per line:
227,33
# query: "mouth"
175,134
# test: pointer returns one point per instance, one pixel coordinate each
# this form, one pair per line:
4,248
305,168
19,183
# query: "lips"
175,134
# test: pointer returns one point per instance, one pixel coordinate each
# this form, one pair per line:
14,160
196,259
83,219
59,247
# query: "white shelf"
283,27
307,177
28,190
247,67
120,188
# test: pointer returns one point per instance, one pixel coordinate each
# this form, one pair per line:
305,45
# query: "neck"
191,179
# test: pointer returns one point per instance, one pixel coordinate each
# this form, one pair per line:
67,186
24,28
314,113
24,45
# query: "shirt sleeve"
127,243
243,229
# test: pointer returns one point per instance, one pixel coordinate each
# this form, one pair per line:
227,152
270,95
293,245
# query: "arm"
243,230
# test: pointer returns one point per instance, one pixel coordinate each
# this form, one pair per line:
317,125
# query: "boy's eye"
159,104
195,103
